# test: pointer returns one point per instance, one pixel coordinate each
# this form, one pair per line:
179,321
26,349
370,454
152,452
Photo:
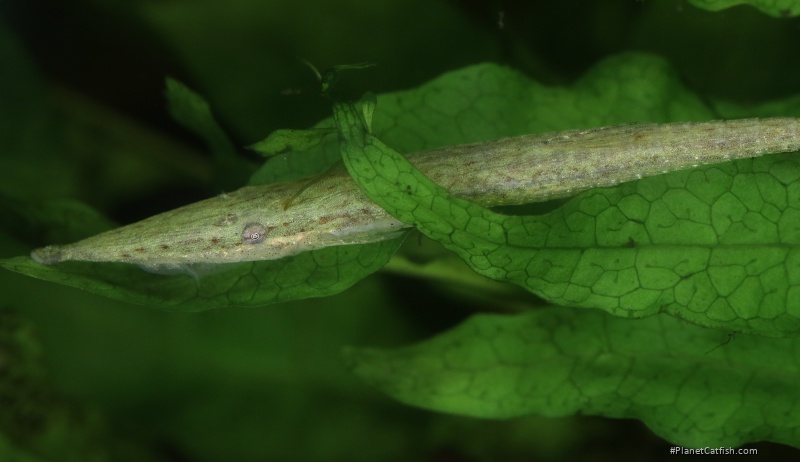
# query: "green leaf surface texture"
312,274
693,386
716,245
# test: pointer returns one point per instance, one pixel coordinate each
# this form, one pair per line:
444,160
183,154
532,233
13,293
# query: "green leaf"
488,101
693,386
716,245
317,273
193,112
286,140
290,164
776,8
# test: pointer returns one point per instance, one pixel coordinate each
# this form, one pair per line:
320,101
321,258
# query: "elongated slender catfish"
252,224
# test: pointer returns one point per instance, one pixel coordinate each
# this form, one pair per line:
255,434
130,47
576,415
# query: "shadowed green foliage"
717,245
693,386
266,384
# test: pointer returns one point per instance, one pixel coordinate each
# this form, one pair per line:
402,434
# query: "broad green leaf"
777,8
312,274
693,386
717,245
488,101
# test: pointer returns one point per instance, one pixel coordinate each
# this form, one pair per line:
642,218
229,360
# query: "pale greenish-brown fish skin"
251,224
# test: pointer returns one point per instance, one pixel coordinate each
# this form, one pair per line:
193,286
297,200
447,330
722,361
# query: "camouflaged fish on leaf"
253,223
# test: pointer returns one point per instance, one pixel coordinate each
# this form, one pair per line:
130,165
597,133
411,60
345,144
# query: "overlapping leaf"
693,386
717,245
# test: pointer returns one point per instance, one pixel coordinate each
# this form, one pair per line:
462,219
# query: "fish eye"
254,233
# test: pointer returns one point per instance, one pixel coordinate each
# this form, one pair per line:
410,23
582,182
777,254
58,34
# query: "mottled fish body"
251,223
